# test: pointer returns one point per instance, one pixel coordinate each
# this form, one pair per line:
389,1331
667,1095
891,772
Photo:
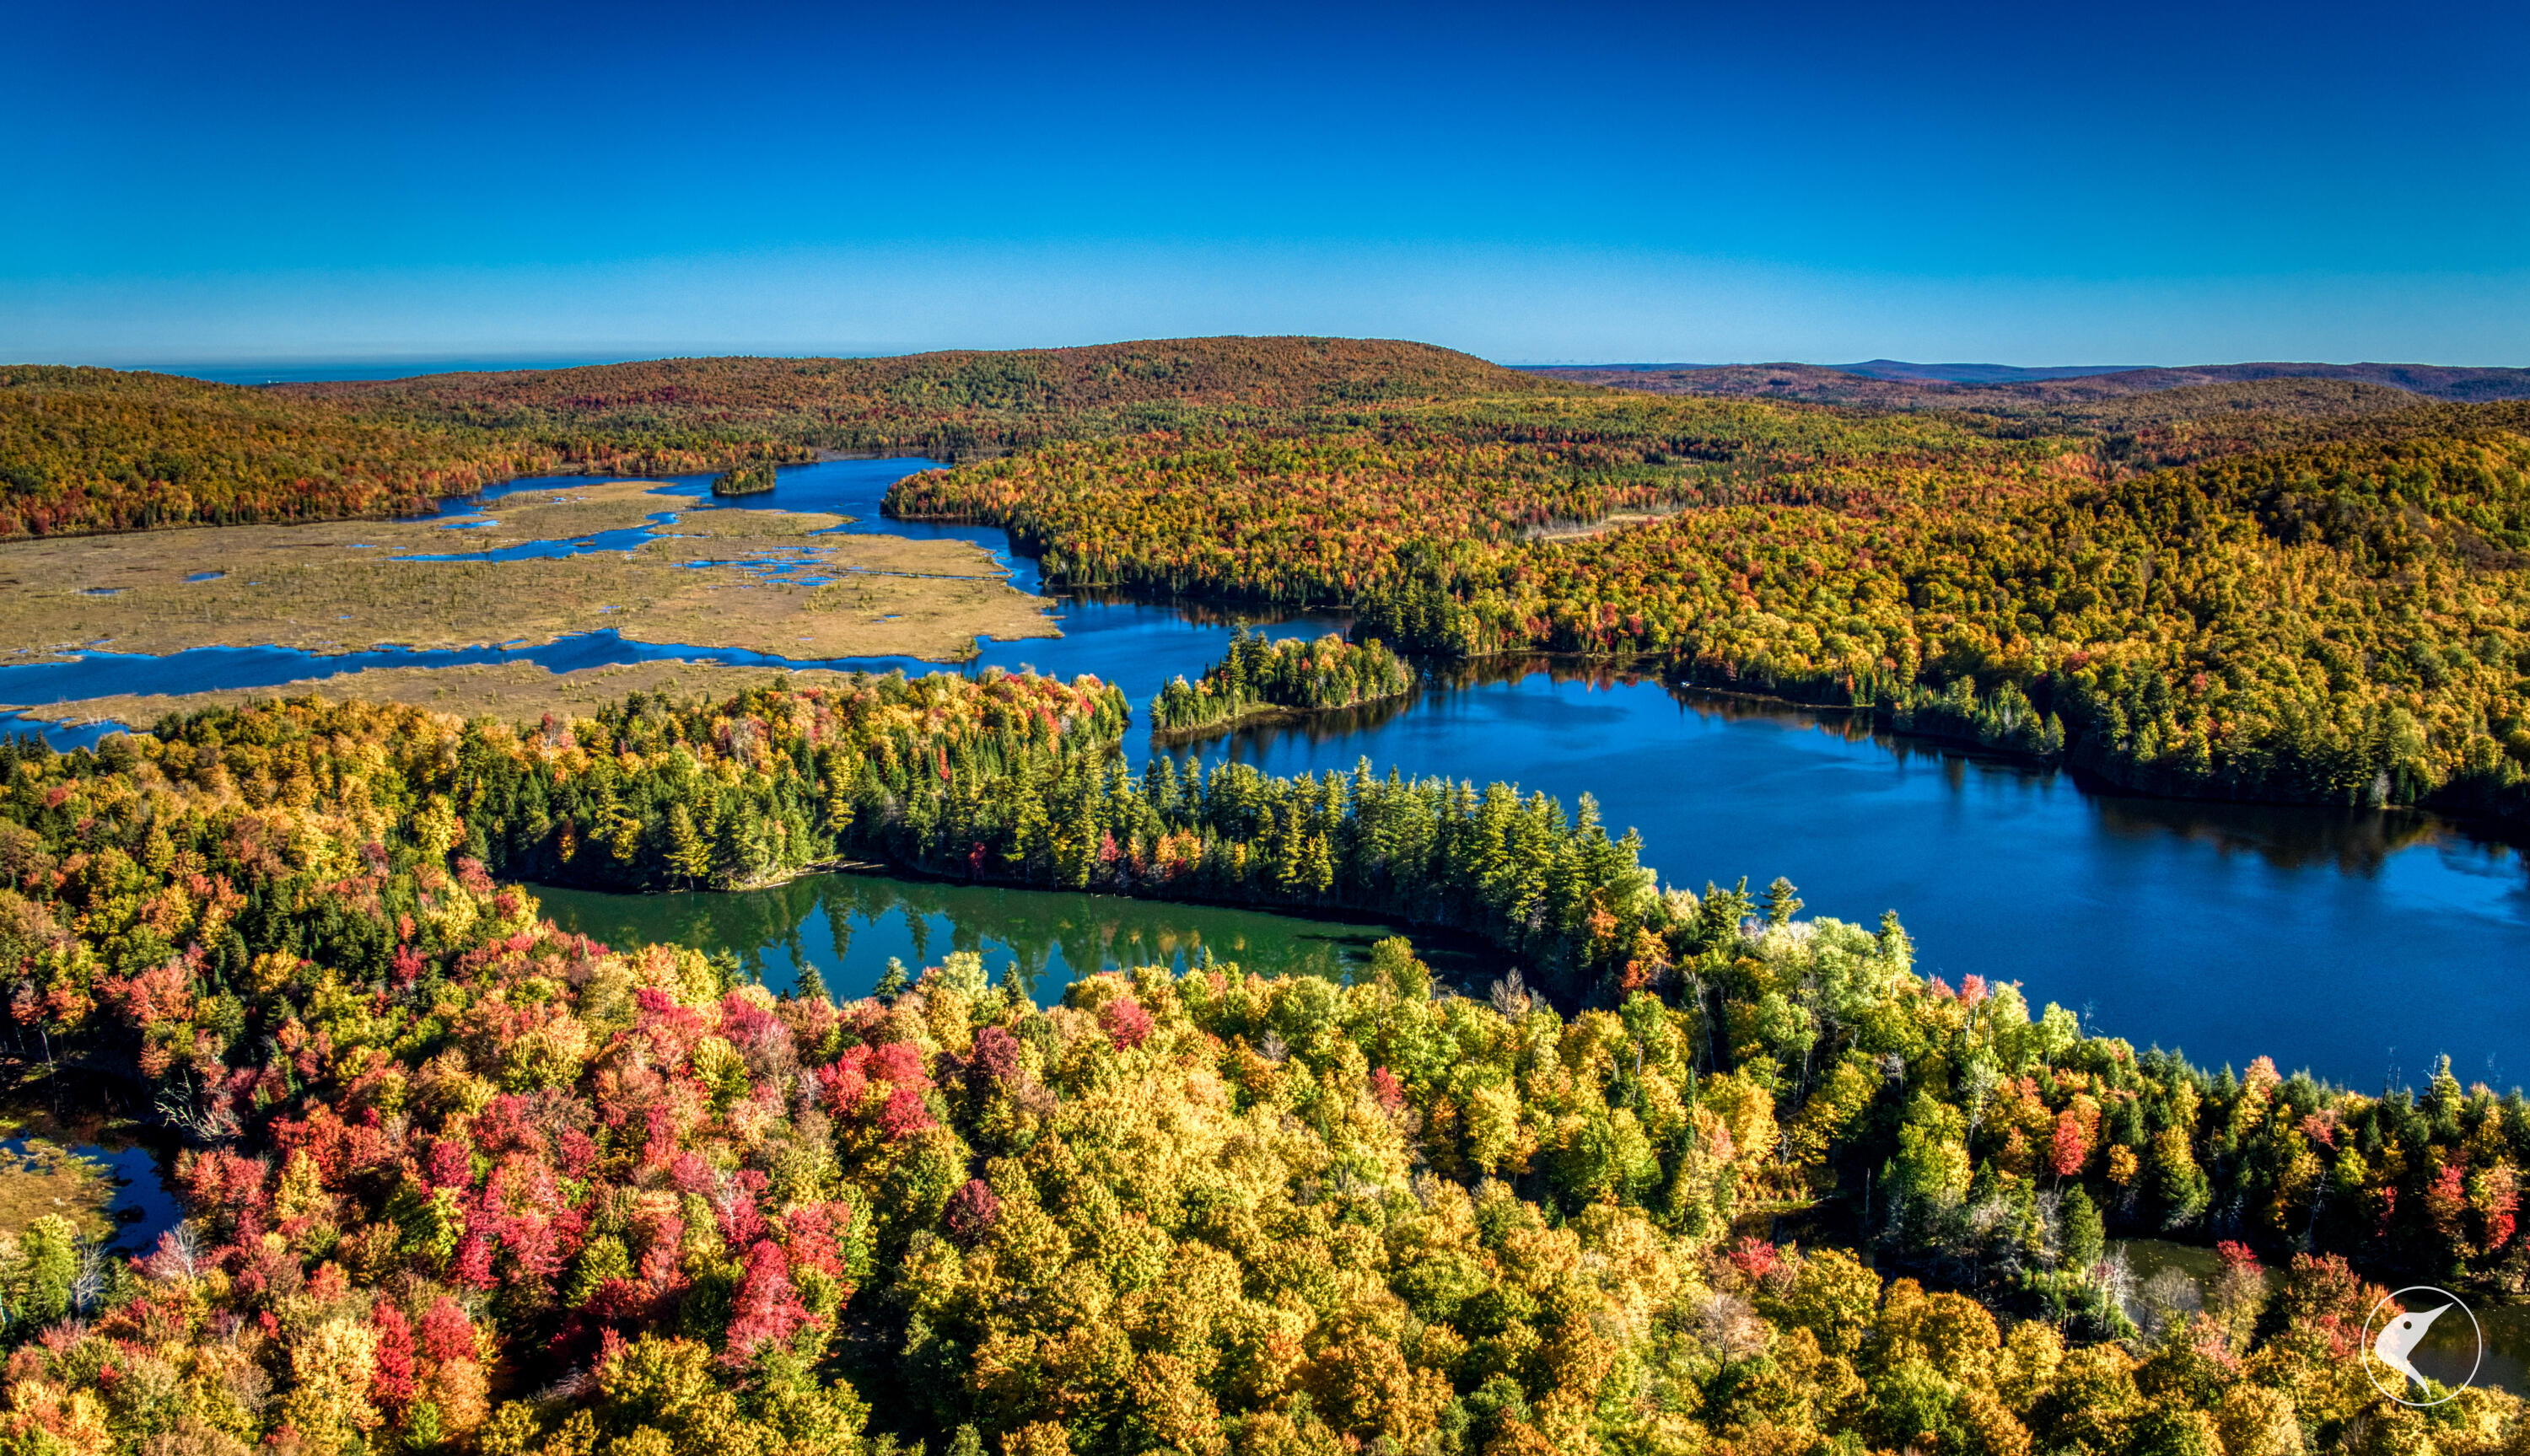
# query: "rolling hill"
85,450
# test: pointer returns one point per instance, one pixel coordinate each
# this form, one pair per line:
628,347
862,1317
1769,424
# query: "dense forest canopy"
93,450
456,1181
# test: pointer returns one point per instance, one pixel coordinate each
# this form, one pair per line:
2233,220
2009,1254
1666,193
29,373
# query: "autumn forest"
1706,1176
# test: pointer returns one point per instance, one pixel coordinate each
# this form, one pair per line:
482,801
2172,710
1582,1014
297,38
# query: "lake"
2358,944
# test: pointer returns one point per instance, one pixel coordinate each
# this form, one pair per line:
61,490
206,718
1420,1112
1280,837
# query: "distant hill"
99,450
1977,373
1894,384
949,402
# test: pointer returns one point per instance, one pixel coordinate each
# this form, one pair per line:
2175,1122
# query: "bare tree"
87,1286
179,1255
1510,996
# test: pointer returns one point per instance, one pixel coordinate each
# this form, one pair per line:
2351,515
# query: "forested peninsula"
2341,619
458,1181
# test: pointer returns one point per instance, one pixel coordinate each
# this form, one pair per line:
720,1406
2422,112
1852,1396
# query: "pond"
2358,944
847,927
105,1177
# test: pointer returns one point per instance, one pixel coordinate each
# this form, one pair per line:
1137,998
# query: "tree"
1781,903
688,852
2085,1238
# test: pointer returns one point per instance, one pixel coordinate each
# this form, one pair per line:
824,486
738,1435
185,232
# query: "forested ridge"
85,450
458,1181
2342,620
944,403
2355,388
94,450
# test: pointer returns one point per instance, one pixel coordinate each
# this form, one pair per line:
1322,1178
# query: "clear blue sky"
2026,184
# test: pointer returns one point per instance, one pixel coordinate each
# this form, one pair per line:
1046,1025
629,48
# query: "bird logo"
2402,1332
2399,1337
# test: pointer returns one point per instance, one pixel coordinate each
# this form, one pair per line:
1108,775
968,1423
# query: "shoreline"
1261,715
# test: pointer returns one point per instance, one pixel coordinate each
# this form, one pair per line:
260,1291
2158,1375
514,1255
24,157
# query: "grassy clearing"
706,579
518,692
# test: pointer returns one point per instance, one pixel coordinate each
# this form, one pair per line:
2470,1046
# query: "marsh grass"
516,692
40,1174
710,578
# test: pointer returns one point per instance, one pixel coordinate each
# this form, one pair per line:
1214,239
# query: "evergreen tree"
2085,1238
892,982
1781,901
687,852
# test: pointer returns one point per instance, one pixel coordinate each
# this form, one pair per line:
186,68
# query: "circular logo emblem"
2418,1339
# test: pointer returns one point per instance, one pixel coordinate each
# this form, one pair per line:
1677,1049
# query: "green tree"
688,854
2085,1239
1781,903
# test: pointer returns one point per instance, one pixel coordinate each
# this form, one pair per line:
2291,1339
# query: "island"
1263,679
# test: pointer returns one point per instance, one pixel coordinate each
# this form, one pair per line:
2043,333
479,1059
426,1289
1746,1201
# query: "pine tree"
813,986
892,982
2085,1240
1781,903
688,853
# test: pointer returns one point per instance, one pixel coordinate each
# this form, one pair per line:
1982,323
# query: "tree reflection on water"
847,926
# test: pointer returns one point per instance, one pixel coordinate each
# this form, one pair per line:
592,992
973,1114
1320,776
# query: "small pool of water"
847,926
627,538
142,1206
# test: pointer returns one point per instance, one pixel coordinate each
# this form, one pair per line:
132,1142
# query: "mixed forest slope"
942,403
93,450
458,1181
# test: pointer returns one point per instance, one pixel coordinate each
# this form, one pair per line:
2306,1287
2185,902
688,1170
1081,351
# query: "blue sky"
2024,184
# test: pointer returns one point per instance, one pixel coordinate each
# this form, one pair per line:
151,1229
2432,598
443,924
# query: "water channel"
2359,944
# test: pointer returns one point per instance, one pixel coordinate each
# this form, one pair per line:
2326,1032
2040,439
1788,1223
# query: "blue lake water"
2358,944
